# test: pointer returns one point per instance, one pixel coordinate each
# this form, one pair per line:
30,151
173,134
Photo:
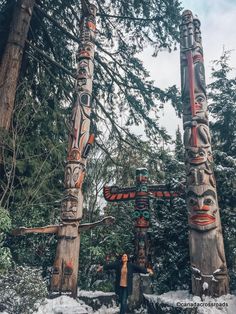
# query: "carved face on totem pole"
71,208
141,213
74,175
88,29
141,218
91,24
141,176
200,107
197,135
197,31
85,68
93,10
141,247
203,208
199,155
187,17
86,51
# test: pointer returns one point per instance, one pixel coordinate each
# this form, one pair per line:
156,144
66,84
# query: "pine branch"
58,25
51,60
57,81
157,19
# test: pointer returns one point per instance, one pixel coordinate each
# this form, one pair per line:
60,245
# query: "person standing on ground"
124,278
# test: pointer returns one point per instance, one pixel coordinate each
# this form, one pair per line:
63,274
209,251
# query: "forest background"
125,98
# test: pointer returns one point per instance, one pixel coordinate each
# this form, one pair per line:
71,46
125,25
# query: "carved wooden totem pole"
65,268
208,264
141,194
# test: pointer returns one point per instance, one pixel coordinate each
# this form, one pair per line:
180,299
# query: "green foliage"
226,182
5,254
22,290
179,146
223,108
169,233
105,244
170,246
5,220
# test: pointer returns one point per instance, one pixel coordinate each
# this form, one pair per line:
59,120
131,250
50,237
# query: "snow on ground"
67,305
181,299
93,294
63,305
224,305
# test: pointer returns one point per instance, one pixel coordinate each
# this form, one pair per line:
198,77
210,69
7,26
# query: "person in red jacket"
124,278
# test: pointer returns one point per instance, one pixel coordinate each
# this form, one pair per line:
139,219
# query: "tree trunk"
10,68
11,60
207,256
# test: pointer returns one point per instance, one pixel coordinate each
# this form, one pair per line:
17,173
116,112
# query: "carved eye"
136,214
64,206
192,202
208,201
74,203
146,214
76,177
191,154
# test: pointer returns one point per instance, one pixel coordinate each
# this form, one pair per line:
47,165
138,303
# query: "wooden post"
208,264
66,264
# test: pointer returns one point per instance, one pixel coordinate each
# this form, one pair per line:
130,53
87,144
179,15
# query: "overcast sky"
218,19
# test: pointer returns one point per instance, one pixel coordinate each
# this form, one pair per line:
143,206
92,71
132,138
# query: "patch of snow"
67,305
205,286
93,294
170,298
223,305
110,310
63,305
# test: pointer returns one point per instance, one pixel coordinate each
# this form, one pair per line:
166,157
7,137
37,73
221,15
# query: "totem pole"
141,194
208,264
65,268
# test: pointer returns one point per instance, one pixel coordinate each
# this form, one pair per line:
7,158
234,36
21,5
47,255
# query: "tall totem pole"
79,145
66,264
208,264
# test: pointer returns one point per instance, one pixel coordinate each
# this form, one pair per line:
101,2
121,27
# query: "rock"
141,284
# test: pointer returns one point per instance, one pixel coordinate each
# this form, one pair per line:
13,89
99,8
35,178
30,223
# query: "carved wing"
161,190
116,194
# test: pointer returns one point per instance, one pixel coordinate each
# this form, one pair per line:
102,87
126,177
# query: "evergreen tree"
223,109
179,147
